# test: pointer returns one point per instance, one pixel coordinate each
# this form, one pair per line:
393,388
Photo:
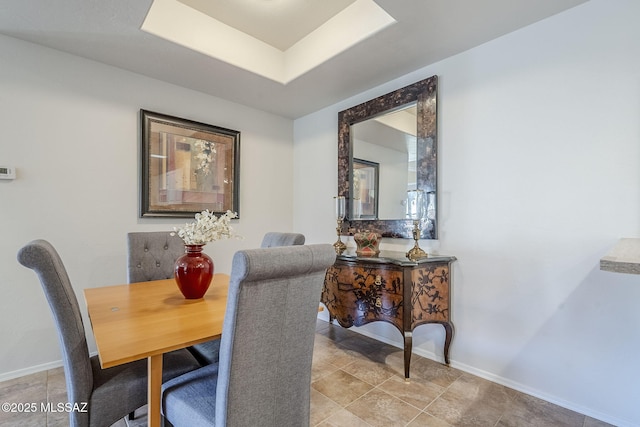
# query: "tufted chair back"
152,255
276,239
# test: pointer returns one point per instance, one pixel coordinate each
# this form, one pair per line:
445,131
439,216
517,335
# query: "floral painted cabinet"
391,288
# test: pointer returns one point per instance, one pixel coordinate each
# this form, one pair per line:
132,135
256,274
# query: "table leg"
408,343
154,390
448,327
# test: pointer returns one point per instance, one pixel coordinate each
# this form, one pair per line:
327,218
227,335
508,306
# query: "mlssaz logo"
64,407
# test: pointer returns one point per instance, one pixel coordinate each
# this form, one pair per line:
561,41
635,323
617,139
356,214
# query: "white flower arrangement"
207,228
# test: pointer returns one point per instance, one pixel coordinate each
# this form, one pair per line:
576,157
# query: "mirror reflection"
384,164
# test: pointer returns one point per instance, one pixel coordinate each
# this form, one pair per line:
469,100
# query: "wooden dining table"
147,319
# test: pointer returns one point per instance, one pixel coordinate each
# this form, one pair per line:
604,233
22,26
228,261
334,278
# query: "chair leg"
132,416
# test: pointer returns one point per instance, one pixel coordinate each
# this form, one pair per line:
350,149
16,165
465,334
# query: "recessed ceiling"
425,32
320,41
279,23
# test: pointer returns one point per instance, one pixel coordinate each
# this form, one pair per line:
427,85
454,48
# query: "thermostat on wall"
7,172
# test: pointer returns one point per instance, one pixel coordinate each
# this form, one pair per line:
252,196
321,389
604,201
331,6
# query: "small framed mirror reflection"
364,203
396,132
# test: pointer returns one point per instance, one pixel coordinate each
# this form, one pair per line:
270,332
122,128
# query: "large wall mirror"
387,146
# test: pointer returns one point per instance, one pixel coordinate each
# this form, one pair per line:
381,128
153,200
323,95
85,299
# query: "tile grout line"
444,390
354,401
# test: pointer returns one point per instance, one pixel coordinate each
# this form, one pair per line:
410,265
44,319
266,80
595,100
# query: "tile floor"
356,382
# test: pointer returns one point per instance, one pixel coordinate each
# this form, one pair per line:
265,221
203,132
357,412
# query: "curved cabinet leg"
448,327
408,344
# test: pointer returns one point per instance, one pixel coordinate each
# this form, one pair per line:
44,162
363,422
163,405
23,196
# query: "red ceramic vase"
193,272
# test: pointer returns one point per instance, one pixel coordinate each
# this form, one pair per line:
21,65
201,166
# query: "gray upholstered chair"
276,238
110,393
152,255
263,376
207,352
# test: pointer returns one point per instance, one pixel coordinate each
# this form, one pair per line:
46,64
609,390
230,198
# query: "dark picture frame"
187,167
365,182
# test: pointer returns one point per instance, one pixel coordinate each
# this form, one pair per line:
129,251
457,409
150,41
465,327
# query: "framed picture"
187,167
365,189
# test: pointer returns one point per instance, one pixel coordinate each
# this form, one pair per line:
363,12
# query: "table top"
138,320
393,257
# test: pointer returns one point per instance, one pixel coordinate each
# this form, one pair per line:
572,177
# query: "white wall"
539,157
70,127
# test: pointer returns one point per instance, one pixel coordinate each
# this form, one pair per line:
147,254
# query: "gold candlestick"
416,252
416,211
339,246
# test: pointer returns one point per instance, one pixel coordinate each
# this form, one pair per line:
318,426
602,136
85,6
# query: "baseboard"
420,352
499,380
30,370
536,393
6,376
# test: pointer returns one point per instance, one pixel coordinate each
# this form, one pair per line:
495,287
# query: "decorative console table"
390,287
